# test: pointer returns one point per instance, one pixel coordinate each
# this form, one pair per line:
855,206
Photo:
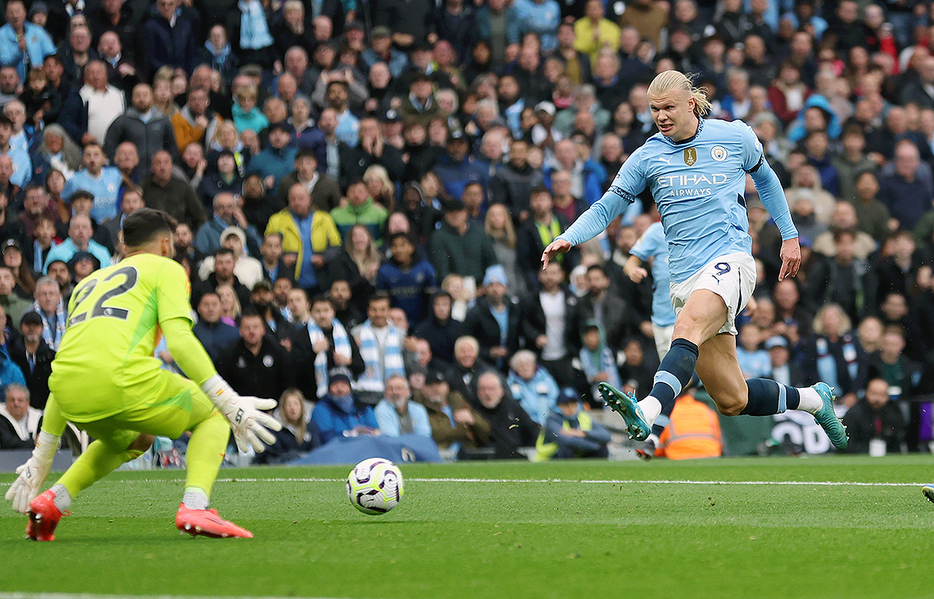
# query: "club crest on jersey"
690,156
718,153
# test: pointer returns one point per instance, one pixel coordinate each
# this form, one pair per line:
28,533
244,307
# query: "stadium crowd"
364,190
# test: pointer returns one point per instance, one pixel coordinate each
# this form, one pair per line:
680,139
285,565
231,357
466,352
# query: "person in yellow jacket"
570,433
306,233
694,431
593,32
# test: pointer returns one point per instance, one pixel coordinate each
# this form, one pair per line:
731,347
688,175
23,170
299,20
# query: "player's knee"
731,404
142,443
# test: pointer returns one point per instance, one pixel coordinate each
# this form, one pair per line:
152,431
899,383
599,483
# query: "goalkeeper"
106,381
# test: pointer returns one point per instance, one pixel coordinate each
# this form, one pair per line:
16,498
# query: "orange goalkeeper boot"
43,517
208,524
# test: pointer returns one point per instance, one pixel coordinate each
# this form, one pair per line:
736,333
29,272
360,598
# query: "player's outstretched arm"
33,473
251,426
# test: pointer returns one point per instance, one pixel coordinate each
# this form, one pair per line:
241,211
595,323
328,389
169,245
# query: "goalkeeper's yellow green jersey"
105,363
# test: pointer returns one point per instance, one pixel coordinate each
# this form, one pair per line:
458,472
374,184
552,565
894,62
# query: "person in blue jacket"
339,413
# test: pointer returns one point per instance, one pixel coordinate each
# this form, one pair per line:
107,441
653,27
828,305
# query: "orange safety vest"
694,432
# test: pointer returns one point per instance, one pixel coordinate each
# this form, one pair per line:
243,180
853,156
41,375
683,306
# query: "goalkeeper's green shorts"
172,405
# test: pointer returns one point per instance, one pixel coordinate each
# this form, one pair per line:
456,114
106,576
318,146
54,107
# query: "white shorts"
732,277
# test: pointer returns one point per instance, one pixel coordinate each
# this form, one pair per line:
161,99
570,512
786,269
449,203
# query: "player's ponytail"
667,81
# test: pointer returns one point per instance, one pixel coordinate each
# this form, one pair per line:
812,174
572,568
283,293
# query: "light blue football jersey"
652,245
699,187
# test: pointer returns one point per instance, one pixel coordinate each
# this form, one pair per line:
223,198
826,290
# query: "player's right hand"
250,425
558,246
33,473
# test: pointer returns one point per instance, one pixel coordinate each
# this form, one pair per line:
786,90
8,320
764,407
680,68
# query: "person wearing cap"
494,320
457,167
144,125
278,158
340,413
34,357
459,246
570,432
454,423
419,106
381,50
23,45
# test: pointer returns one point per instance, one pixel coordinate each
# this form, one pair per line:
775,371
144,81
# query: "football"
374,486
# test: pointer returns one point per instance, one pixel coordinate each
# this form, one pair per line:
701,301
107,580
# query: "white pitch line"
97,596
796,483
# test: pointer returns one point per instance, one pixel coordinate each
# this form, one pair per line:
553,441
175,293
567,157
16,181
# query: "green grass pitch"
513,530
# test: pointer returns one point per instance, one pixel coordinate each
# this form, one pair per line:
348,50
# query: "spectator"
903,376
371,150
217,337
168,39
306,233
360,209
380,345
532,386
397,414
647,17
223,274
299,433
872,216
79,240
340,413
117,16
196,122
407,276
163,190
249,31
510,427
540,17
593,32
102,182
56,151
439,329
121,70
21,163
222,176
325,193
454,424
34,357
88,113
274,266
782,369
494,320
227,214
256,365
22,44
457,168
587,177
875,419
144,125
381,50
12,255
597,360
19,422
51,309
844,219
570,432
753,361
331,344
614,315
539,230
833,354
844,279
905,195
459,246
512,185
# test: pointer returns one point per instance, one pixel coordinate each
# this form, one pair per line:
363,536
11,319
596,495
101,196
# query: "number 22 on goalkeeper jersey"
113,323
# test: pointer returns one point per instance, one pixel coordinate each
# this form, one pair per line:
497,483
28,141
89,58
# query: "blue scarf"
341,346
254,31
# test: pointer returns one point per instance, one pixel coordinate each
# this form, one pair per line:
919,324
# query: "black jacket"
533,320
619,320
481,325
37,377
440,336
266,374
510,428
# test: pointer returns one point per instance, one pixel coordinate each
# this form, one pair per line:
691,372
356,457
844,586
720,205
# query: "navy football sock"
767,397
674,373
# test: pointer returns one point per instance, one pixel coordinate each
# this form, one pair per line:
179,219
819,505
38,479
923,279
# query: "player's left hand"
250,425
791,258
33,473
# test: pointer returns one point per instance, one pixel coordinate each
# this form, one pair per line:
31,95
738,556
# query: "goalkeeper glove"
32,474
244,413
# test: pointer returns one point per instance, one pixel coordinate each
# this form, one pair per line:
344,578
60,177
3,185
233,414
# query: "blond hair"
668,81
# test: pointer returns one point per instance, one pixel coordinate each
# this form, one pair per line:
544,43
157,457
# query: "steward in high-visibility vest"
570,433
694,432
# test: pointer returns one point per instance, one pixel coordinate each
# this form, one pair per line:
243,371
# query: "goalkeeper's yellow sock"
94,464
206,450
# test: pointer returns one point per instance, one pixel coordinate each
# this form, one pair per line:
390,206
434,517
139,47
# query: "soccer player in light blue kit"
696,171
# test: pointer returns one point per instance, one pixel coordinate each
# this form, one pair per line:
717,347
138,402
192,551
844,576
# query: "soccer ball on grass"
374,486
